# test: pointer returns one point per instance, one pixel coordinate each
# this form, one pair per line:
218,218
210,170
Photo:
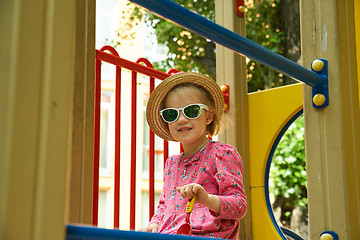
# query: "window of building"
105,218
145,206
159,153
106,136
106,25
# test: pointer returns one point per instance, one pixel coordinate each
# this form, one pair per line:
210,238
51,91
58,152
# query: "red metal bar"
172,71
117,148
148,70
117,137
166,143
110,49
166,151
95,193
152,175
151,149
133,149
106,57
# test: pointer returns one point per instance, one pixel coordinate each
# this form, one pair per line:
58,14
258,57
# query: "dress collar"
195,157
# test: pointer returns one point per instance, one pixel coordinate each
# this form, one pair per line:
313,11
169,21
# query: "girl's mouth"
184,129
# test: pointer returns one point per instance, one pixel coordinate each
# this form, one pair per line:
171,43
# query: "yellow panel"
269,111
263,227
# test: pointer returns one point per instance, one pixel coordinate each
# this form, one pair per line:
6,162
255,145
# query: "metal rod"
206,28
121,62
117,134
151,148
117,148
96,164
136,67
133,150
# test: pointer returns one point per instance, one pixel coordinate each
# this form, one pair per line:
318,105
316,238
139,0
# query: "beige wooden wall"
231,70
46,74
332,134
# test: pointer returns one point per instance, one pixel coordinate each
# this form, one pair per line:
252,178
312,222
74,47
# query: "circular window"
285,181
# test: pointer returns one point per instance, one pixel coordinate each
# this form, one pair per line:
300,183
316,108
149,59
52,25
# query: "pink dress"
218,168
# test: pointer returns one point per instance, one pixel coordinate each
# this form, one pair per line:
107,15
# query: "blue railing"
289,233
74,232
208,29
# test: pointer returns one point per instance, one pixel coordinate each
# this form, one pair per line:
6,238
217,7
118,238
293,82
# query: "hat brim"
156,123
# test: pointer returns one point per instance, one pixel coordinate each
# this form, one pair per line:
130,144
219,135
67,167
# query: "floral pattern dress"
218,168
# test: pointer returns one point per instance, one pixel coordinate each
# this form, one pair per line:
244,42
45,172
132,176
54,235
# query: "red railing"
135,67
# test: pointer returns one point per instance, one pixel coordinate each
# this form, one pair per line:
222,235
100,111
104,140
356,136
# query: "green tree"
191,52
288,171
275,25
263,27
187,51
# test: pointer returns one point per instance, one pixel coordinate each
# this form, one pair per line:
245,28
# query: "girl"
187,107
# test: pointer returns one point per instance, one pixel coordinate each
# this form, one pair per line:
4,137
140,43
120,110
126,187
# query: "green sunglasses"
191,111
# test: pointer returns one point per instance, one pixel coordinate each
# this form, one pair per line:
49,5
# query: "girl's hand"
202,197
190,190
151,228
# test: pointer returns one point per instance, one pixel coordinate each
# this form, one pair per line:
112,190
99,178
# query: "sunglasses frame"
202,106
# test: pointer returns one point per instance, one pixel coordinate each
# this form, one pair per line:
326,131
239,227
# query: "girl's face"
189,132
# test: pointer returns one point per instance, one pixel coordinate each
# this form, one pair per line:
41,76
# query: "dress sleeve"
157,217
229,177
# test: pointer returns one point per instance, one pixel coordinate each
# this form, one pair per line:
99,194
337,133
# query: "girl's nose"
182,117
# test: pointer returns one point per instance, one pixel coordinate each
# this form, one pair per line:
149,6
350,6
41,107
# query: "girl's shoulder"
216,145
225,155
223,149
173,159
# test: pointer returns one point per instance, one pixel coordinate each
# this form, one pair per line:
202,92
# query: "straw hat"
155,103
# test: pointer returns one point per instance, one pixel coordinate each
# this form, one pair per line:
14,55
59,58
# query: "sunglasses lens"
192,111
170,115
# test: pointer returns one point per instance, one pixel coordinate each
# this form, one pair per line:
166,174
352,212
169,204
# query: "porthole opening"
287,187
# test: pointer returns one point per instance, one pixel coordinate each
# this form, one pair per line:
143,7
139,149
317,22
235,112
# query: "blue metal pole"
206,28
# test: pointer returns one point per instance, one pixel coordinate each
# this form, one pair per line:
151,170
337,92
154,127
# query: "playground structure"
332,133
289,100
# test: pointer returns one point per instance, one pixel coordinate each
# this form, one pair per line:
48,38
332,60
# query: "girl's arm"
202,197
231,199
229,177
156,218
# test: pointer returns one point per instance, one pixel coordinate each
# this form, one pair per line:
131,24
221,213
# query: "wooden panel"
332,134
231,70
269,111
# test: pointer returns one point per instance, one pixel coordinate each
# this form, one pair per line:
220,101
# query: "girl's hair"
187,88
